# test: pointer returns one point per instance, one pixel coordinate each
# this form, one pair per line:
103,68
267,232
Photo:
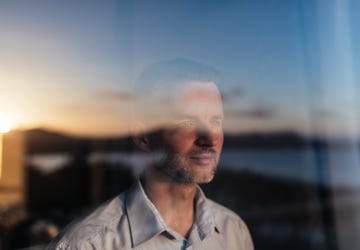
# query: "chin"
206,178
206,181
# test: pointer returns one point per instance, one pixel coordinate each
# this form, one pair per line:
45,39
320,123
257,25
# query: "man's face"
191,144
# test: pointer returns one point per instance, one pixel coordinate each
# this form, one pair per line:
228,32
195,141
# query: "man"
181,131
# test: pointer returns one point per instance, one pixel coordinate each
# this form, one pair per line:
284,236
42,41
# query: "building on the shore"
12,172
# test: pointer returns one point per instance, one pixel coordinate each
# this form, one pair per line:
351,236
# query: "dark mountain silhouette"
45,141
285,139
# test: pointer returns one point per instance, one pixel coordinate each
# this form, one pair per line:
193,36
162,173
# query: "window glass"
76,76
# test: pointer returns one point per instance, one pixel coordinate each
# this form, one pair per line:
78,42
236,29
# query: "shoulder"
230,225
97,224
221,212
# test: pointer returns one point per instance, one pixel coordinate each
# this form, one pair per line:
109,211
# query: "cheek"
219,140
180,140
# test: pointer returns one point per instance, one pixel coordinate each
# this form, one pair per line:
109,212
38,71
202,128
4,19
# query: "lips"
203,158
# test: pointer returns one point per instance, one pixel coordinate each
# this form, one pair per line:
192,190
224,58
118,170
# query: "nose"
207,136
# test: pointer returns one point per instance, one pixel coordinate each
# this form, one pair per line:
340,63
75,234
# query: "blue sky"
286,64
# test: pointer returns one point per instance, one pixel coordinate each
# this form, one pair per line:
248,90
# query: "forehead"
170,102
194,97
204,91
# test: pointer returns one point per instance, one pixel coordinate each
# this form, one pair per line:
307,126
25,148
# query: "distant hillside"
45,141
270,140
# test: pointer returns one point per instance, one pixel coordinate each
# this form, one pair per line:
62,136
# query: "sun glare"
5,125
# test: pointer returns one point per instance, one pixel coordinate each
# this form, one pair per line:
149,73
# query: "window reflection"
290,164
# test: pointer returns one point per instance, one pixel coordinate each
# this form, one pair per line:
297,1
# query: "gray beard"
171,167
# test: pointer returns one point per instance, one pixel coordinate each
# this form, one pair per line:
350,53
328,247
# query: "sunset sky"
285,64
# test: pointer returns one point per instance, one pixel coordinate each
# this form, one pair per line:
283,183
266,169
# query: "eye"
216,122
185,124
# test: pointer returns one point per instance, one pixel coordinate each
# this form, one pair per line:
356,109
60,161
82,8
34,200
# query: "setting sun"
5,125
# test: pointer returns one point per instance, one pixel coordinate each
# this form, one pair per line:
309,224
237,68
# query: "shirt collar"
204,218
146,222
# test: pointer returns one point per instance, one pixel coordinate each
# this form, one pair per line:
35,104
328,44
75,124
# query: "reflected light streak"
4,128
1,153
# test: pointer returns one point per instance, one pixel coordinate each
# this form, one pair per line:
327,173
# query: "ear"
140,137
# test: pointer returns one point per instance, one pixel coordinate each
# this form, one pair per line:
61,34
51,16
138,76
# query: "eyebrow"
192,117
220,117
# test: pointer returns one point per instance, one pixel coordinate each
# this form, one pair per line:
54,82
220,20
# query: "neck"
174,201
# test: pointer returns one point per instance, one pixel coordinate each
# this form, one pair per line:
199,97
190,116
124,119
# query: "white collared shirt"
131,221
